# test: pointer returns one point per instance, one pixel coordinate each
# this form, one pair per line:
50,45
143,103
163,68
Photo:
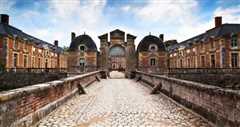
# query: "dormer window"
15,44
234,43
82,48
153,48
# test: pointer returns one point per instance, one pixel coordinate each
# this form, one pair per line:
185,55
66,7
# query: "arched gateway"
117,58
118,53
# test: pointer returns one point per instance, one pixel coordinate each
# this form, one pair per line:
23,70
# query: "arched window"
82,48
153,47
117,51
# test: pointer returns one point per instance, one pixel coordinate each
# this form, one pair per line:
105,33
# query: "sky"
51,20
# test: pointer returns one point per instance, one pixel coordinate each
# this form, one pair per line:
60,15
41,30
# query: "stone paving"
118,103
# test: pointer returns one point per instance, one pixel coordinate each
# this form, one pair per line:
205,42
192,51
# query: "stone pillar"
131,55
103,52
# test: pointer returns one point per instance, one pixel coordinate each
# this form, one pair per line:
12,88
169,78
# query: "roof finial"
84,33
149,33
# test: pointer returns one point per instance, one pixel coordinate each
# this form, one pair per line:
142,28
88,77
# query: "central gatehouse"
117,53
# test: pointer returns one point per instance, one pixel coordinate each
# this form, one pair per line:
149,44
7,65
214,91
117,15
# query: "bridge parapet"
25,106
218,105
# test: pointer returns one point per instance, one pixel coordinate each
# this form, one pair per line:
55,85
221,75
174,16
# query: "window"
234,41
153,48
15,60
82,48
39,62
15,44
203,61
181,63
46,63
213,61
234,59
25,60
189,62
212,44
33,62
152,61
82,62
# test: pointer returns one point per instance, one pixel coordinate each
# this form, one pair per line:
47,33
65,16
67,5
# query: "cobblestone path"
120,102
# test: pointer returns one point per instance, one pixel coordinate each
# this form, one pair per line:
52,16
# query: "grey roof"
8,30
85,40
150,39
221,31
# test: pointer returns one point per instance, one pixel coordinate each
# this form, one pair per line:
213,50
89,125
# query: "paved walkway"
120,102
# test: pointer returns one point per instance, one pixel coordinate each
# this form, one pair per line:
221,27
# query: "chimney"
161,37
56,43
4,19
73,36
218,21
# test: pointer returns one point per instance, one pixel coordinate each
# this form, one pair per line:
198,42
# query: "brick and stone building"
19,50
82,54
218,47
152,54
118,53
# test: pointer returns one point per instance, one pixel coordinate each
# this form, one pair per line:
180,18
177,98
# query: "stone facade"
218,47
151,54
117,53
82,54
19,50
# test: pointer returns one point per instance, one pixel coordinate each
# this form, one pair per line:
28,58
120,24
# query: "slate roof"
8,30
216,32
85,40
150,39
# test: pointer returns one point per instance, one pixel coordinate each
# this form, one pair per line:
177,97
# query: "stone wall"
25,106
218,105
222,77
13,80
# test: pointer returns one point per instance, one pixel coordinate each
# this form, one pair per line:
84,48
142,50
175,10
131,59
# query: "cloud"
6,5
230,14
165,11
59,18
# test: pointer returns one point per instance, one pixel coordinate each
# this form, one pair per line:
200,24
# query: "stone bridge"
118,101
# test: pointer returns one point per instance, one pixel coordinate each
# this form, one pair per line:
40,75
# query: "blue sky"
52,20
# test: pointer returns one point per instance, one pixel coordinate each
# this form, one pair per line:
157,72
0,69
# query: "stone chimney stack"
56,43
4,18
73,36
161,37
218,21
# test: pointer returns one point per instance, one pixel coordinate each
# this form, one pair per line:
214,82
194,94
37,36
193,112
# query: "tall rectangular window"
234,41
15,44
213,61
39,62
181,63
234,60
189,63
152,61
15,60
25,60
33,62
203,61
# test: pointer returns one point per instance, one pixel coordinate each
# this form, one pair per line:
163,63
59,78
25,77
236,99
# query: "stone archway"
117,58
